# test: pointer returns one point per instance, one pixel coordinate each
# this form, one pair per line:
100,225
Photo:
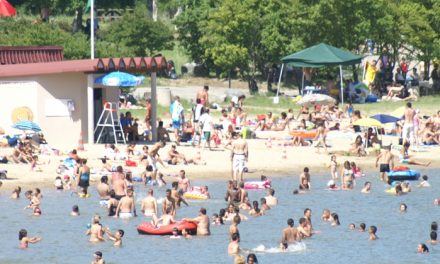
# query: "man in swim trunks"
233,194
289,235
234,247
176,195
118,175
154,157
386,161
120,187
104,191
202,221
126,207
408,127
149,205
304,180
184,183
239,155
169,203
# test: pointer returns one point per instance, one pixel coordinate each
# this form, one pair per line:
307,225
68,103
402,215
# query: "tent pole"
302,83
342,84
279,79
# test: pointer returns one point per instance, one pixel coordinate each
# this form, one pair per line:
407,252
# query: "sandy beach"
265,160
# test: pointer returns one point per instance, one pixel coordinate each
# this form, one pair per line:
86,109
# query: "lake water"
64,239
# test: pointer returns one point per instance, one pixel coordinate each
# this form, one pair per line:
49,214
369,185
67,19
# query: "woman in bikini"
347,176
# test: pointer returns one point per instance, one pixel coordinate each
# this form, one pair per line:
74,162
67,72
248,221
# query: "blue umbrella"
385,118
120,79
27,125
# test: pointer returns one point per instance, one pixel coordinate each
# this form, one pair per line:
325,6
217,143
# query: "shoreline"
262,161
201,172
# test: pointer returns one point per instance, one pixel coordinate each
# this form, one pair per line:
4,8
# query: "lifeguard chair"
110,119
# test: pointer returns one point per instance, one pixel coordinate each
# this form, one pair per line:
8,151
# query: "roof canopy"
137,65
321,55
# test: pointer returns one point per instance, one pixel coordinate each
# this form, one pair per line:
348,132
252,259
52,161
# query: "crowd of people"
116,184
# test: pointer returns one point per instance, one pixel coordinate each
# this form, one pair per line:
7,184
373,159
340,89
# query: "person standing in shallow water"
386,161
84,176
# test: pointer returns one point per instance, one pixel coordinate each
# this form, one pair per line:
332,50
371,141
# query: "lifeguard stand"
110,119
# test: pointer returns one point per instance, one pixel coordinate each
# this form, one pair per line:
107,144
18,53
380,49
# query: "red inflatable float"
149,229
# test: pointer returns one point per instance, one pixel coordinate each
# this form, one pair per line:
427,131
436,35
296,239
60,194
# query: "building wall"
17,94
35,92
64,131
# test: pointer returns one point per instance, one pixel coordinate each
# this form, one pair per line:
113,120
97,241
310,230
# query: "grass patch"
262,104
178,55
427,104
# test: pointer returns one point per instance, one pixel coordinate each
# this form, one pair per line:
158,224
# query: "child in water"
372,231
424,183
333,167
175,234
25,240
116,237
67,182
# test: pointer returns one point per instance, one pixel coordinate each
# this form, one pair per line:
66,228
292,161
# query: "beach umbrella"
27,125
120,79
383,118
316,99
6,9
367,122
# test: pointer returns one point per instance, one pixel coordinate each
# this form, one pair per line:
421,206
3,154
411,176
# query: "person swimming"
422,248
175,233
424,183
335,219
433,238
403,208
25,240
362,227
75,211
326,215
372,231
367,187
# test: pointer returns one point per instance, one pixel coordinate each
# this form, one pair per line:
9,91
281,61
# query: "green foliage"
27,32
189,27
136,34
248,34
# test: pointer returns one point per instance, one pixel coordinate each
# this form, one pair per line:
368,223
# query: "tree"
23,32
136,34
245,35
189,28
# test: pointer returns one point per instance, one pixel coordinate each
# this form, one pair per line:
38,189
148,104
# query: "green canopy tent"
319,56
